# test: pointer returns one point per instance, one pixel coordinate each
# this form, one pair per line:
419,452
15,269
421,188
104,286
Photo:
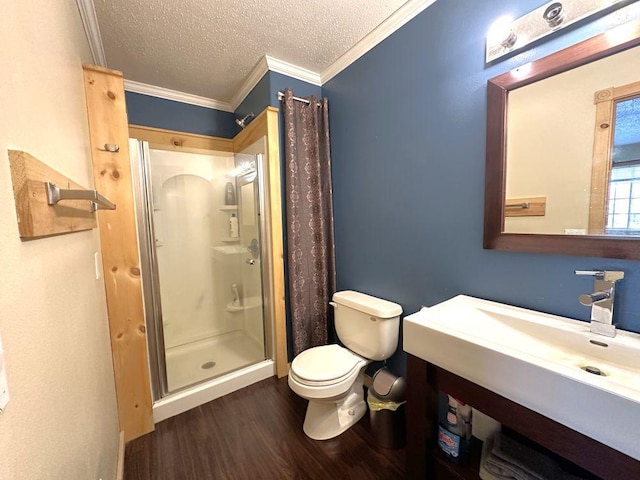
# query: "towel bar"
56,194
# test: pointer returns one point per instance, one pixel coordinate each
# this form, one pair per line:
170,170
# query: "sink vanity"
568,386
545,377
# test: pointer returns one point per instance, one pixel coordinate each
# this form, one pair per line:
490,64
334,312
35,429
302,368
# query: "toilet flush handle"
333,304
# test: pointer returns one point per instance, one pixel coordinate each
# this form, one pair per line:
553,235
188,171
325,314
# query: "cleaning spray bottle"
454,431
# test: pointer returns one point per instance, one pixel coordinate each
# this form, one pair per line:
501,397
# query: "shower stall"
201,231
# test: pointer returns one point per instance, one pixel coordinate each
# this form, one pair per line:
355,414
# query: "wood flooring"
256,433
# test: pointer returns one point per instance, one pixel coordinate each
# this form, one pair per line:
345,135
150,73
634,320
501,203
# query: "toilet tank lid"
366,303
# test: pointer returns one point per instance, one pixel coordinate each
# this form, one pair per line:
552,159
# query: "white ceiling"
209,48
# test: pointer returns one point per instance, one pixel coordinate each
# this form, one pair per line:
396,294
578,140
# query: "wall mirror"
563,151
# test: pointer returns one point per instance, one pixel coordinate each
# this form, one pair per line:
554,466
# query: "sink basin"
550,364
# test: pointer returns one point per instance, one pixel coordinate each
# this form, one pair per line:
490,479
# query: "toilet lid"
325,363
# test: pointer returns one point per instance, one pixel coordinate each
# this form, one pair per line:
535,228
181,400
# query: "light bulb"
501,33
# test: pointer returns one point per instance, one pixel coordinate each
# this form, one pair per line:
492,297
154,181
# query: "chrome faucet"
601,300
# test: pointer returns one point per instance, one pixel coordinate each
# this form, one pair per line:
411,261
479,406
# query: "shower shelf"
248,303
230,239
229,249
229,207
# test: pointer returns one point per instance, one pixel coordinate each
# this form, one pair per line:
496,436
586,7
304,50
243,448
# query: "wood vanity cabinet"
424,460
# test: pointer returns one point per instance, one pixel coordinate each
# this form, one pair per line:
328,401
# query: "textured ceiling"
209,47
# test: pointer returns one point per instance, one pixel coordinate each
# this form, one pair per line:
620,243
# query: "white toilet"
331,376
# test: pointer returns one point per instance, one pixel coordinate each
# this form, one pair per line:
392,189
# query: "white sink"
536,360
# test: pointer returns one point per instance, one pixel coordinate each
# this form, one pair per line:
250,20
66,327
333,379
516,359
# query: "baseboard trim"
120,464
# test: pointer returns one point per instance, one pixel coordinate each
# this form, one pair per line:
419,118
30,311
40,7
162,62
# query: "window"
623,212
623,209
615,176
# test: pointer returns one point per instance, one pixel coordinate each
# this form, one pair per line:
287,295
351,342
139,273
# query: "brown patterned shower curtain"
309,207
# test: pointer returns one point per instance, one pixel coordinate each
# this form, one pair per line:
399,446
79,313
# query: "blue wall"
161,113
257,100
407,144
183,117
278,82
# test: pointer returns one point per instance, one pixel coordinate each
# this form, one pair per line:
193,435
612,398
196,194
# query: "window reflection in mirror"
623,212
569,180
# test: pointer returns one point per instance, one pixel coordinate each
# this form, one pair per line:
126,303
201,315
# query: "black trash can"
386,399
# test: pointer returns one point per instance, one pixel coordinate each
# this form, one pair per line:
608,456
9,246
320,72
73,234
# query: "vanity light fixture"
506,36
554,14
500,33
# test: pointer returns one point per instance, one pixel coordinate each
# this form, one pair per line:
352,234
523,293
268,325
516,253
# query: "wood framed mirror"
589,238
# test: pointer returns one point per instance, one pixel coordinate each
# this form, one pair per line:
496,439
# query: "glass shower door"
249,258
204,265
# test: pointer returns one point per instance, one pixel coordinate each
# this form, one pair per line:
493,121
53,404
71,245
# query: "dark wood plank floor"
256,433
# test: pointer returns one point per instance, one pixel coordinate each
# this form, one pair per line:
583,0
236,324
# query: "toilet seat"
325,365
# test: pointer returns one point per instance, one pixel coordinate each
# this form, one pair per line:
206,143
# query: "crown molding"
251,81
399,18
92,31
167,94
266,64
291,70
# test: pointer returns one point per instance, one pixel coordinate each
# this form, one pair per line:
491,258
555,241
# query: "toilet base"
327,419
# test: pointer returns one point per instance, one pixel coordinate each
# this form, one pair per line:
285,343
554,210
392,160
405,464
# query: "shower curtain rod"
303,100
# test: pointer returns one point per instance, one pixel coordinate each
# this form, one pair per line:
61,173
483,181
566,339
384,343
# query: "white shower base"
239,363
202,393
187,364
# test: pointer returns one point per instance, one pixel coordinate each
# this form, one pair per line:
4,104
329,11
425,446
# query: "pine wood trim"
36,218
179,141
603,95
107,116
628,90
601,166
605,101
277,239
98,69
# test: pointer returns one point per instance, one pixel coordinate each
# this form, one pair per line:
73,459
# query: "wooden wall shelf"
36,218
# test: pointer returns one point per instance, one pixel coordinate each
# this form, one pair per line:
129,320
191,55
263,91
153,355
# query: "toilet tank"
367,325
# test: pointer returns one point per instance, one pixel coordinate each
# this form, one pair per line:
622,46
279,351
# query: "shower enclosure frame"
121,255
149,269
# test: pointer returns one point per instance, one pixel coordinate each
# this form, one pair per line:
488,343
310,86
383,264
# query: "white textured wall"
550,143
61,422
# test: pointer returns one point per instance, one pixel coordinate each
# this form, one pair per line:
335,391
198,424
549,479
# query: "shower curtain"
309,207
